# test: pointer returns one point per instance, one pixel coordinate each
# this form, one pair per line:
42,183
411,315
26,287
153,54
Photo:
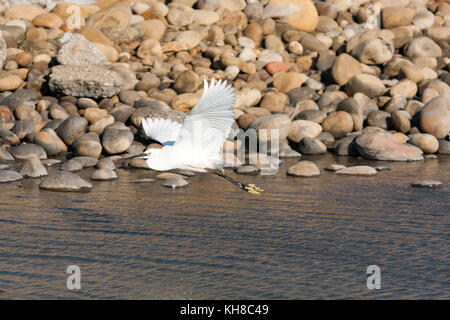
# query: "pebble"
24,151
377,144
427,183
104,175
367,84
106,163
300,129
33,168
64,181
358,171
117,139
304,169
434,117
335,167
339,124
175,183
9,176
311,146
71,165
425,142
247,169
168,175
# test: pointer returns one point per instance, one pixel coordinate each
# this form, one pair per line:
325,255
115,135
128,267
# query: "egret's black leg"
248,187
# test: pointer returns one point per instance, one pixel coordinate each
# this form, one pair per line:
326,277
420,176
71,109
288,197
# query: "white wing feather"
206,127
161,130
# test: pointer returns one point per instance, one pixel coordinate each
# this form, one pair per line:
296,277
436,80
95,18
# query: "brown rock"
435,117
27,12
48,20
339,124
396,16
288,81
345,67
187,82
304,169
425,142
306,19
274,101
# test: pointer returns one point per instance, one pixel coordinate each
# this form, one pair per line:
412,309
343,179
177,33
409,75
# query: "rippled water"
305,238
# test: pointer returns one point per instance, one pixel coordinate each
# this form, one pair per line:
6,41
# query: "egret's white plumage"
199,139
161,130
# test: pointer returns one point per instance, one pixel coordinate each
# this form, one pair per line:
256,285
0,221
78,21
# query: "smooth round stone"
147,180
335,167
33,168
304,169
9,176
4,166
249,170
311,146
375,143
86,162
379,118
312,115
117,140
422,47
175,183
246,42
104,175
358,171
64,181
71,129
86,103
168,175
300,129
368,84
106,163
26,150
434,117
374,51
49,140
423,19
430,156
138,163
444,147
289,153
339,124
425,142
5,155
71,165
326,138
427,183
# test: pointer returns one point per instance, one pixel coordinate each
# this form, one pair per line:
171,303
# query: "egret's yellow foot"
251,188
255,187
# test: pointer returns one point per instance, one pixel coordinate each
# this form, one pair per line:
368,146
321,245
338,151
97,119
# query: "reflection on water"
305,238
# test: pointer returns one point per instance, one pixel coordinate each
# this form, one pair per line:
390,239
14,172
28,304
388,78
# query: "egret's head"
152,153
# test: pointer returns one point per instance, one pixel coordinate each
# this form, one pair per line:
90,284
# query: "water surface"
306,238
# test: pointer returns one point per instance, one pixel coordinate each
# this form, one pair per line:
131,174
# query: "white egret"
196,143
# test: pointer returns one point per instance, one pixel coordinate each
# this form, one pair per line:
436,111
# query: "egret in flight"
196,143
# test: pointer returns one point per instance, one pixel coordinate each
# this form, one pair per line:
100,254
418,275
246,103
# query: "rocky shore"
331,76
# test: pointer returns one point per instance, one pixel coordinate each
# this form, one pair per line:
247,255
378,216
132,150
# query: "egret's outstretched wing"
209,123
164,131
